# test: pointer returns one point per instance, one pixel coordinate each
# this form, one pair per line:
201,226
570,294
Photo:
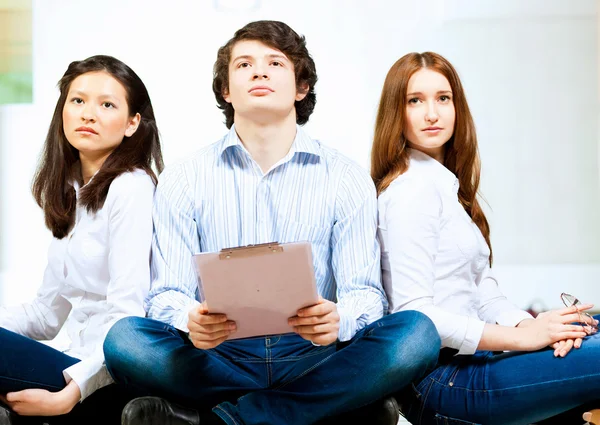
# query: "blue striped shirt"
220,198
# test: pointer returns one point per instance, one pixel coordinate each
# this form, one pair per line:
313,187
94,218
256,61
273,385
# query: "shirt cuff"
180,321
472,336
512,318
88,375
348,325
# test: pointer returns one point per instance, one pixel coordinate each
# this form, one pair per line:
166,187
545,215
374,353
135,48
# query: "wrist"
67,398
524,323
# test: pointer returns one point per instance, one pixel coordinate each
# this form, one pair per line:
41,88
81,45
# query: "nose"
259,73
87,113
431,115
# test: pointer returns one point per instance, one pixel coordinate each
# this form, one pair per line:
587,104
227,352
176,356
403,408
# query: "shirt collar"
422,162
302,143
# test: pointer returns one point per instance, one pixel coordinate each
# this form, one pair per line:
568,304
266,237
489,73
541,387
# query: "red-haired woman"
498,365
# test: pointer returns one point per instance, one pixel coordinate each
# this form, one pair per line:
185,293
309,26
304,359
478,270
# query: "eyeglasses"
585,320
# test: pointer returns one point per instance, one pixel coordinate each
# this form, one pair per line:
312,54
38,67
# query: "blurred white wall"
530,70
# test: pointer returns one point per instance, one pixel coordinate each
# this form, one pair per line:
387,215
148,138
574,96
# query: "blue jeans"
25,364
274,379
514,388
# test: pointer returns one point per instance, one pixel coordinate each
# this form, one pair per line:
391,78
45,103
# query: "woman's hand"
562,348
38,402
555,328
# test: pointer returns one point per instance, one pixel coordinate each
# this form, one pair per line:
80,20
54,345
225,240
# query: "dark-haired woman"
95,184
436,259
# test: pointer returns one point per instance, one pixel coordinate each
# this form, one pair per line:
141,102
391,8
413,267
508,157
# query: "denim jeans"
513,388
25,364
274,379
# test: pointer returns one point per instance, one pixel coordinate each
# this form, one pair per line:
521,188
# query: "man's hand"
319,323
208,330
38,402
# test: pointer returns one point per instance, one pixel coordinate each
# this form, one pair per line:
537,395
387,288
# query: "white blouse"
434,258
96,275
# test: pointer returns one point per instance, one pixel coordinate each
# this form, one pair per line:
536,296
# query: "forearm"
501,338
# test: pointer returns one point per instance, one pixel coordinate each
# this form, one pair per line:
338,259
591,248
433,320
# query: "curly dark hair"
279,36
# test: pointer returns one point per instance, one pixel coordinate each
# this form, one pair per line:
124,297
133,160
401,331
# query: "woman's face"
430,112
96,114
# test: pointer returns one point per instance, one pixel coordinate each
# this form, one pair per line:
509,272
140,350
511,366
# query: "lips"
260,89
86,130
432,129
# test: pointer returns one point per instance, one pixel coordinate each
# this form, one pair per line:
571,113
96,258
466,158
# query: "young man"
266,180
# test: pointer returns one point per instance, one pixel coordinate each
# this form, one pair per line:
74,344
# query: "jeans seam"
272,360
519,386
268,361
228,415
283,384
37,384
423,400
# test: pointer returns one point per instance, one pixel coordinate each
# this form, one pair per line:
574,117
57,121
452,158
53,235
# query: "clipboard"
258,286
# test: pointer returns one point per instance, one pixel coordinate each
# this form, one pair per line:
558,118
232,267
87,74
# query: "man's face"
262,83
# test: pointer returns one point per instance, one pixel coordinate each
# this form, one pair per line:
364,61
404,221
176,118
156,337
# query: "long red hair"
389,156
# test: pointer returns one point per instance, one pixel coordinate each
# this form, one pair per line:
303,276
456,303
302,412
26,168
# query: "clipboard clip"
250,250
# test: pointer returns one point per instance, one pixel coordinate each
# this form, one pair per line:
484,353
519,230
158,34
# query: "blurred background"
530,70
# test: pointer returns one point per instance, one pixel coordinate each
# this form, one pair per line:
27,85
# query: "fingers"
571,335
317,329
207,345
209,336
322,308
224,326
566,347
321,339
578,342
558,346
579,318
15,396
310,320
200,316
574,309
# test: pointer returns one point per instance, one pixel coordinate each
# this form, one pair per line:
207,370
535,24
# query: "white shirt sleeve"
129,204
412,223
494,307
42,318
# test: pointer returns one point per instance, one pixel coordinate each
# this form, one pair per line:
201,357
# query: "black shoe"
382,412
157,411
8,417
5,417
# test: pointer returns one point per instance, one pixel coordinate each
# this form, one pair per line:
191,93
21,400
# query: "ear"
302,91
134,123
226,95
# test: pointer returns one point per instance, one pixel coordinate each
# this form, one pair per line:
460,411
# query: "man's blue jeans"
280,379
514,388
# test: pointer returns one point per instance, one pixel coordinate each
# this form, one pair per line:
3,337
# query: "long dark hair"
279,36
57,168
389,157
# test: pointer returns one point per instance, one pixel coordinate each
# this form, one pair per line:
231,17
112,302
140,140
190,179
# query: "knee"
417,341
120,345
